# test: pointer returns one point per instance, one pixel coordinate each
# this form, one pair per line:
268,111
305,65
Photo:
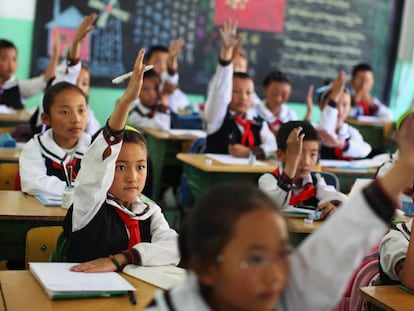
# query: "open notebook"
164,277
60,283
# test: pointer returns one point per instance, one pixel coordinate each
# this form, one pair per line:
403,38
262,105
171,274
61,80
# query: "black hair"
276,76
324,95
241,75
53,90
361,67
6,44
210,224
154,49
130,136
311,134
151,74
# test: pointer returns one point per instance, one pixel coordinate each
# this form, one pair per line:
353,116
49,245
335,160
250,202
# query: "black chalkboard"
308,39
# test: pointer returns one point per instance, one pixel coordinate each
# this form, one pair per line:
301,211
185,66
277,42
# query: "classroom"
270,129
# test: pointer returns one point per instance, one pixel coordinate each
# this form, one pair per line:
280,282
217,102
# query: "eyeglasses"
256,261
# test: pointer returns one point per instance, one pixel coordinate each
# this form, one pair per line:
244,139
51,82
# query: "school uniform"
98,225
42,160
285,115
224,127
393,251
158,117
177,100
355,146
378,109
314,190
13,92
319,272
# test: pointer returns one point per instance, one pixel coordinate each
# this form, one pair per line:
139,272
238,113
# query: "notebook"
164,277
49,201
293,211
61,283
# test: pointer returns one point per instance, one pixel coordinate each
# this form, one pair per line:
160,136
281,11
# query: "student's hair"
151,74
154,49
361,67
131,135
6,44
86,67
210,225
241,75
276,76
311,134
53,90
324,95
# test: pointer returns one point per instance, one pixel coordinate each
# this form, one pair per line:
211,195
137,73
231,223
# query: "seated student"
13,90
236,243
231,126
292,183
363,103
151,109
74,71
166,66
339,139
45,160
110,223
277,88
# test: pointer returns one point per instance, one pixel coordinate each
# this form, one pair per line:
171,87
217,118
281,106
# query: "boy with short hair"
363,103
12,90
47,159
292,183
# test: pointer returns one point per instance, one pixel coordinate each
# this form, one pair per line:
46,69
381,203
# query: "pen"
66,175
125,76
131,296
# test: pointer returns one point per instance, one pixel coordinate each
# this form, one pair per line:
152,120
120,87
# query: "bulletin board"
310,40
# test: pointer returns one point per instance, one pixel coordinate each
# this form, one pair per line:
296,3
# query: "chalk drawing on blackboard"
106,10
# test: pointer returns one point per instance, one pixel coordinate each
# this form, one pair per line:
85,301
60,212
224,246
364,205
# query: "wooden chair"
40,242
9,174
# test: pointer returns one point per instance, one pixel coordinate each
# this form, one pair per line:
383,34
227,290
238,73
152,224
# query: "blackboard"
310,40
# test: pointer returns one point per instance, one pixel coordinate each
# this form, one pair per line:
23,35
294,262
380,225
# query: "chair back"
330,179
9,176
40,242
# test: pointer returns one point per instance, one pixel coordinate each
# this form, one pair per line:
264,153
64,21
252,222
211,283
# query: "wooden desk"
347,176
163,148
376,133
13,119
10,155
390,297
299,230
18,213
21,291
201,176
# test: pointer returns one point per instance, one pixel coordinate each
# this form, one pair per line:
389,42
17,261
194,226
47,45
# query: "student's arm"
220,90
279,192
163,248
309,104
268,145
407,271
357,147
33,175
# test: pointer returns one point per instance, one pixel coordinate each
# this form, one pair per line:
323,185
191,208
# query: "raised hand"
174,50
229,39
338,86
54,58
294,145
83,29
309,103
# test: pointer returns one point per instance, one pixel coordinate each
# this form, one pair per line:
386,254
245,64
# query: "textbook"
61,283
49,201
164,277
298,212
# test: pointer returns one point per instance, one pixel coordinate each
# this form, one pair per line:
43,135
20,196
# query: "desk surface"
297,225
166,135
199,161
19,206
18,116
389,297
10,154
14,283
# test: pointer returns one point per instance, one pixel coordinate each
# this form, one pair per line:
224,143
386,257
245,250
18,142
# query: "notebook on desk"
61,283
164,277
300,212
49,201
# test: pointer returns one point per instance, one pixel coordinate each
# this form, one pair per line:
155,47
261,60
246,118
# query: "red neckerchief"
365,107
275,125
247,137
132,226
305,194
72,163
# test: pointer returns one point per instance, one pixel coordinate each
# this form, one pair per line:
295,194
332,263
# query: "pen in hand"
132,298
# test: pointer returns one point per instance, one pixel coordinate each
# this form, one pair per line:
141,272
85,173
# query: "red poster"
261,15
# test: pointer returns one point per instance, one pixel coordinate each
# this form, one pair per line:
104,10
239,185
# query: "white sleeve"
31,87
218,98
33,173
93,181
268,141
327,120
163,249
67,73
327,258
170,79
160,121
268,184
327,193
93,124
358,148
177,100
393,248
383,112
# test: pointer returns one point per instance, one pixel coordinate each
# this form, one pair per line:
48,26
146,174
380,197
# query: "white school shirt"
383,112
177,100
27,88
285,113
320,267
160,121
218,100
358,148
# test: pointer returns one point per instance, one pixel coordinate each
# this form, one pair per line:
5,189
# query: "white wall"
19,9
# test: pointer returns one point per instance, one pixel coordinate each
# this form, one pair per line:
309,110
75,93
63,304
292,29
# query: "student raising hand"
229,39
294,145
